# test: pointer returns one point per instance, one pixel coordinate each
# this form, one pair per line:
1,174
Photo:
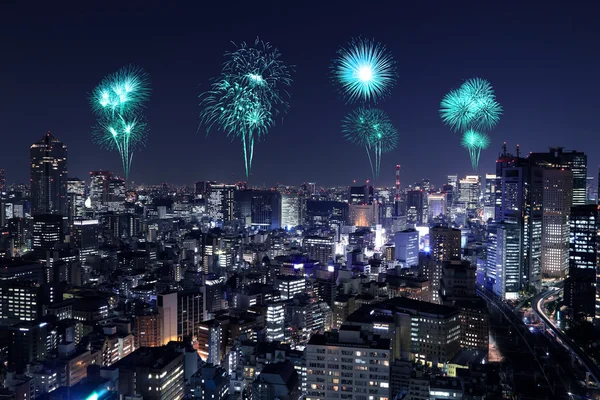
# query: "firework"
244,100
472,106
364,71
474,142
117,102
372,129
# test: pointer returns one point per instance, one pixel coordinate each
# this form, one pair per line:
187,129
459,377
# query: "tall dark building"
48,158
576,161
2,181
580,284
259,208
415,213
47,232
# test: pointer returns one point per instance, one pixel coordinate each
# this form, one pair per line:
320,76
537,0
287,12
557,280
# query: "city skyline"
542,48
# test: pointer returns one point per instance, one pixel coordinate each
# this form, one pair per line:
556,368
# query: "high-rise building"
504,259
220,202
358,194
445,244
167,314
591,190
319,248
458,289
190,312
259,208
580,284
209,341
576,161
99,187
291,210
290,285
558,199
48,160
415,211
147,330
85,237
337,361
47,232
469,192
437,205
75,198
210,382
407,247
275,322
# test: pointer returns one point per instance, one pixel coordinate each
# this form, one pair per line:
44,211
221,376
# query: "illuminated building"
210,341
277,381
27,344
167,313
469,191
407,247
345,360
290,285
422,332
437,205
99,187
415,211
319,248
580,284
363,215
47,232
275,321
76,198
48,158
152,373
291,210
85,237
260,209
504,259
220,202
558,199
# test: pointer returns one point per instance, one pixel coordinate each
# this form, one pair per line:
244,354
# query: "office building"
437,205
291,210
220,202
504,259
415,211
575,161
99,187
275,322
260,209
290,285
580,284
75,198
146,328
190,312
360,194
210,341
48,161
469,192
421,332
319,248
152,373
348,360
407,247
363,215
557,202
445,244
47,233
168,316
2,181
27,344
85,237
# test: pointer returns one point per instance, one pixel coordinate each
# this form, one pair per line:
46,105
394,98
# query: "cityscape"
396,267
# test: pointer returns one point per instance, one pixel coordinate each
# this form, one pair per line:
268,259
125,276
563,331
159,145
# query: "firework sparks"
364,71
244,100
117,102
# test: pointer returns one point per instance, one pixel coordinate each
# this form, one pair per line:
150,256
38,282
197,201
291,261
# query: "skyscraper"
48,161
220,202
445,245
558,192
47,232
319,248
76,198
504,259
407,247
580,284
469,191
291,210
415,214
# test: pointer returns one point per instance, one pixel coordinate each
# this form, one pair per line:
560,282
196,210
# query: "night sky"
543,58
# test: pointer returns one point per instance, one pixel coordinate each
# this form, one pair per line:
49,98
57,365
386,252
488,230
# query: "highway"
537,305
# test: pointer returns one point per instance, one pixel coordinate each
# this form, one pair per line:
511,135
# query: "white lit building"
275,322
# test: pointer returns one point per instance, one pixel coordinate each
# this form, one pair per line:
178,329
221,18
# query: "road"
537,305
